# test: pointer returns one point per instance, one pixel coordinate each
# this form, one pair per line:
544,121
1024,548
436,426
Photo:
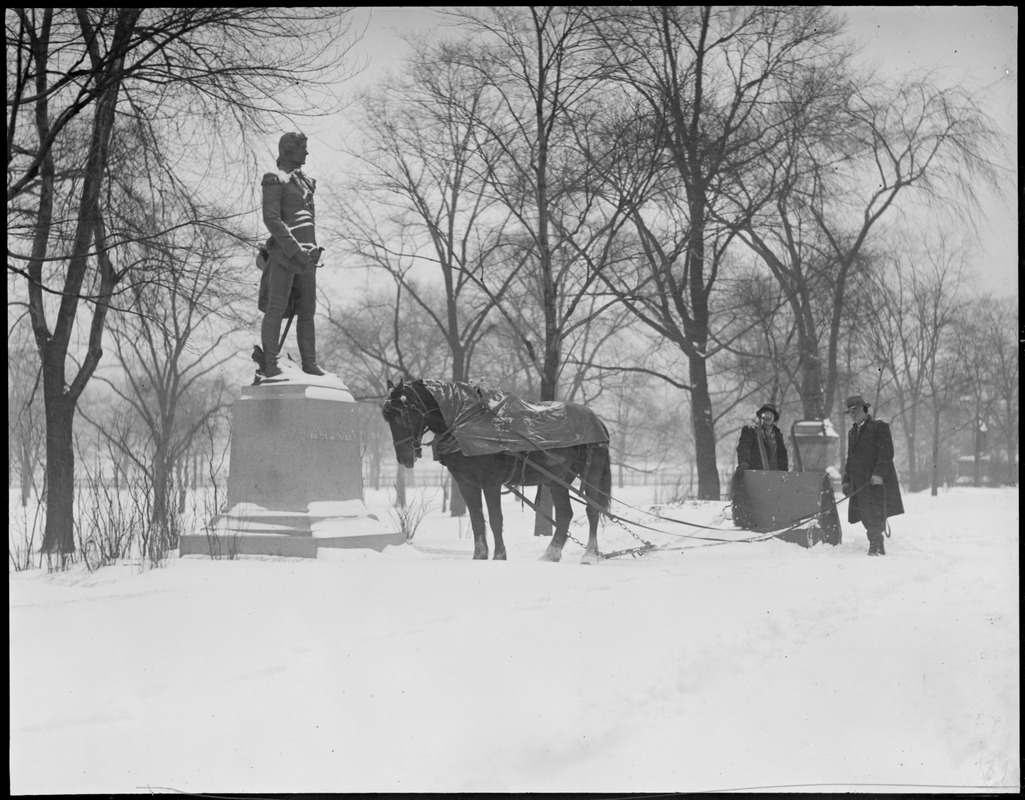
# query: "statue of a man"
293,254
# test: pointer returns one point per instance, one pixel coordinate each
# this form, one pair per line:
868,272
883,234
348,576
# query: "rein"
579,496
415,436
522,461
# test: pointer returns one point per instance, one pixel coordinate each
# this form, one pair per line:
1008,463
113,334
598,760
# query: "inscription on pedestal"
289,450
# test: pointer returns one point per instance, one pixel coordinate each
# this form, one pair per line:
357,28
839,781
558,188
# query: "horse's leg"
593,516
563,516
493,497
471,494
596,481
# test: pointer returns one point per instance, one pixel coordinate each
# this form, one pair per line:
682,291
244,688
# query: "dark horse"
411,410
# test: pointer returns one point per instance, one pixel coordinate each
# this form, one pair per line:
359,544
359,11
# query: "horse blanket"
483,421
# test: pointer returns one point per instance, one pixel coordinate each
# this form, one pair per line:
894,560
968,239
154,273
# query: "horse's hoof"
500,556
480,556
551,555
589,558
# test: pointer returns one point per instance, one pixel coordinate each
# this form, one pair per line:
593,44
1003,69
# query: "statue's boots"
306,338
270,365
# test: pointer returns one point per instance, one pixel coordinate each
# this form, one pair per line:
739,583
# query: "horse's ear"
390,386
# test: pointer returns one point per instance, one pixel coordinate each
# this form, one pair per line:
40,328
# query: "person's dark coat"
749,455
870,452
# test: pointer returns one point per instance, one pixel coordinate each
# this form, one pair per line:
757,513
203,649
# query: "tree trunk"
914,479
1012,462
812,405
704,431
59,532
60,398
27,473
543,513
163,486
702,420
977,452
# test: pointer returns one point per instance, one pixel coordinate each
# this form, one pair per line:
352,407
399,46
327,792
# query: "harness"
402,408
412,401
521,461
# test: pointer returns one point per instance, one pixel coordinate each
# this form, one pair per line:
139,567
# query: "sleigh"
799,504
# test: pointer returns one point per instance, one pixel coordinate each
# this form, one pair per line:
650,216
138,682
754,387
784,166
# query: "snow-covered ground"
701,667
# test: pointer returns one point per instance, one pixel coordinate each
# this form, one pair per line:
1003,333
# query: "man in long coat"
869,477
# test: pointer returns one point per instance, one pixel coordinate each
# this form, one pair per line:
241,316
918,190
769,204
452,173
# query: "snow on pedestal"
295,483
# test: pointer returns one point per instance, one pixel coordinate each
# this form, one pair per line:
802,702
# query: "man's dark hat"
855,401
768,407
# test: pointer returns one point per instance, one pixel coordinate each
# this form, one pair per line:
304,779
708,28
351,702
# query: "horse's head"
406,415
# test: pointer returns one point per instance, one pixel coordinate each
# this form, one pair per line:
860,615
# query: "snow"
321,387
703,666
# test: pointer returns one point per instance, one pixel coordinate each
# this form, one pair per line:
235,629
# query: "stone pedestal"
295,483
814,443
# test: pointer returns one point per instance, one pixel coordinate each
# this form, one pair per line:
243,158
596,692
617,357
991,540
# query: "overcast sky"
976,46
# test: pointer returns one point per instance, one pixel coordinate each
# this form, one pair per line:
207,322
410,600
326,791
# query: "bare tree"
419,208
854,149
705,81
380,334
177,77
537,66
989,369
756,359
947,388
917,305
26,432
168,353
1001,349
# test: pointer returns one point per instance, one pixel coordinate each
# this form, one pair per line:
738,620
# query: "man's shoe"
313,369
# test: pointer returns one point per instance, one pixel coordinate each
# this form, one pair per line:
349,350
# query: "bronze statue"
292,256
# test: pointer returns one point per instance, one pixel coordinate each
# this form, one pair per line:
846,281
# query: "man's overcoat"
870,452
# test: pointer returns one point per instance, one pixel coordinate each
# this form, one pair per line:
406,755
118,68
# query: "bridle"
403,406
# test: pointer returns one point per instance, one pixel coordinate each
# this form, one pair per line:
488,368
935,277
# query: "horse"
411,410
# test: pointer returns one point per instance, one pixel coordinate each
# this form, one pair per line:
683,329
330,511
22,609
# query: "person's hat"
855,401
768,407
290,142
